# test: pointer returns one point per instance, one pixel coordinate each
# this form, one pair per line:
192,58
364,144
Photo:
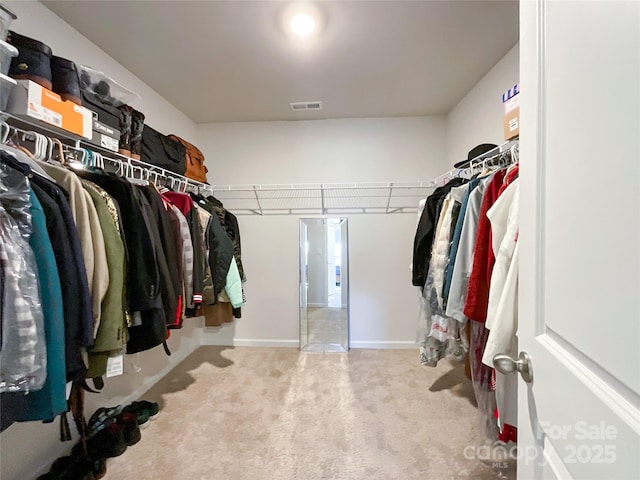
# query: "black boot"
137,125
33,61
126,117
65,79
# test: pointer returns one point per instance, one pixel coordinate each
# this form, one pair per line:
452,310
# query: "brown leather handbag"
196,169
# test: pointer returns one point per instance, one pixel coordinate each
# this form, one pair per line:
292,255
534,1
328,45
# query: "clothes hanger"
137,181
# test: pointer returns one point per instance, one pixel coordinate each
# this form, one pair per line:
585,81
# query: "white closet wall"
478,116
384,306
27,447
37,21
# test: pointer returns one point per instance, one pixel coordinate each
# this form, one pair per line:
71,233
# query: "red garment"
509,433
180,200
477,301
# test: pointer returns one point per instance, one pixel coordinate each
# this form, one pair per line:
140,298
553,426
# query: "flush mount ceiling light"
302,24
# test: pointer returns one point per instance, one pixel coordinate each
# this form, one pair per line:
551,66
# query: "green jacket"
112,335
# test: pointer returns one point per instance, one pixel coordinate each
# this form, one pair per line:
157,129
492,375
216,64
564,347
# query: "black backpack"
162,151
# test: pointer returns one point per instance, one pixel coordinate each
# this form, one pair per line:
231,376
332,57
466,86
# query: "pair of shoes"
36,62
76,467
131,126
107,443
143,409
116,434
101,418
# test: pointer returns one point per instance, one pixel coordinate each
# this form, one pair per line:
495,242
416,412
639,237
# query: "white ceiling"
222,61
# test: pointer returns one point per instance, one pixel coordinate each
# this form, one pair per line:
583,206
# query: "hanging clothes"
441,334
220,256
423,240
50,401
207,281
470,226
148,325
23,356
112,334
162,235
91,239
185,204
76,297
502,316
229,223
464,253
483,258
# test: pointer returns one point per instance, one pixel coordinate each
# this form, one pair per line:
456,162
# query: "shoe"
65,79
108,442
74,468
101,418
126,118
131,432
33,61
143,409
137,125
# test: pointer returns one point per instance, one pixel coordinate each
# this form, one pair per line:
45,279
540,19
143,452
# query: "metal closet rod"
79,145
475,162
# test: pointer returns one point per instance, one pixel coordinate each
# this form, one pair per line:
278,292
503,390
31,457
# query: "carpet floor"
281,414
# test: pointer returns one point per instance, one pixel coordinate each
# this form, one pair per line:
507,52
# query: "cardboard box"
105,141
105,136
30,99
105,129
511,118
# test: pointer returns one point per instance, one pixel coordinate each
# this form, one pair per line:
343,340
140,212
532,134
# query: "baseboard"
317,305
397,345
213,339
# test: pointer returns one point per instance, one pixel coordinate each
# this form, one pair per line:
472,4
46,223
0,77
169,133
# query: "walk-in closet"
319,240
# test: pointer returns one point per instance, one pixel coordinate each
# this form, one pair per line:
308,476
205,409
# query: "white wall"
21,455
478,116
384,307
37,21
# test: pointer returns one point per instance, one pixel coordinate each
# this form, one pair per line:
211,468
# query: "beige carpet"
327,325
281,414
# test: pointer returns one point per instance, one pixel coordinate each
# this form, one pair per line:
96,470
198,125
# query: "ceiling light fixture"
302,24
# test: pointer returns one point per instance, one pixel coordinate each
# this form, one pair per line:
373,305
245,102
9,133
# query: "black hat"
475,152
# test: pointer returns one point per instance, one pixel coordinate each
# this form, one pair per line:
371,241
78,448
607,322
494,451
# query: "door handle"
507,365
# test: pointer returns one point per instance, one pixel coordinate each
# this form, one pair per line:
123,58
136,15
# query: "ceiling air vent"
301,106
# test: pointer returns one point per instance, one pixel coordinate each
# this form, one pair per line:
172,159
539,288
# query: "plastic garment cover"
23,354
483,379
439,335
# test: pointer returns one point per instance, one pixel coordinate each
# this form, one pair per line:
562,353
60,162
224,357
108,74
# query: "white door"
579,309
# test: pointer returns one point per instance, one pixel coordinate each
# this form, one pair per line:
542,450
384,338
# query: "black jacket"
166,257
220,255
423,240
67,250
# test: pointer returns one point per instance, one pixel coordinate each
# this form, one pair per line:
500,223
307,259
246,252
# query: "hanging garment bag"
196,169
162,151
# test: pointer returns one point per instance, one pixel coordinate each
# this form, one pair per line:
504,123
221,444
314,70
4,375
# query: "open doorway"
324,305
